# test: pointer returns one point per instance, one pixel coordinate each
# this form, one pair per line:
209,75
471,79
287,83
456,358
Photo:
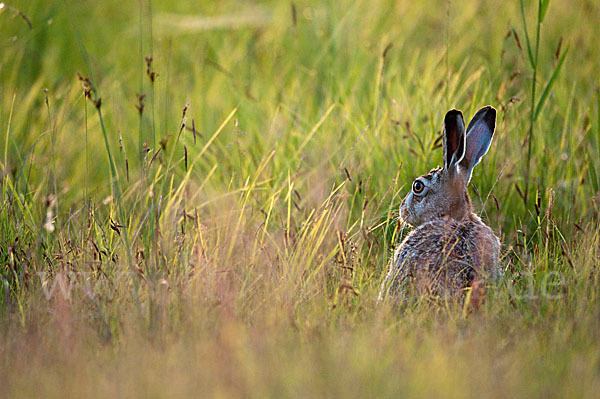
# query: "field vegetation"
200,199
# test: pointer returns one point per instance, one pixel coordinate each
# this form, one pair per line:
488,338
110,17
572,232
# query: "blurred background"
244,162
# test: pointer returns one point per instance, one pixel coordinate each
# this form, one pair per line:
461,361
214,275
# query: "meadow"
200,199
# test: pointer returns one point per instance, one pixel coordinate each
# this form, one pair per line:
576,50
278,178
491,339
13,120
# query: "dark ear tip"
489,115
452,115
489,110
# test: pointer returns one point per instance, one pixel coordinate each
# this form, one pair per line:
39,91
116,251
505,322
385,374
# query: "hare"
450,248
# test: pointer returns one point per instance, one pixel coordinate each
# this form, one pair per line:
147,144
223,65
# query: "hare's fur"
450,247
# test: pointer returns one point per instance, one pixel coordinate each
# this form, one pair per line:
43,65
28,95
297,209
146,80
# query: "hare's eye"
418,187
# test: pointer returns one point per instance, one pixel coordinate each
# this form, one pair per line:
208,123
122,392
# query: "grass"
240,252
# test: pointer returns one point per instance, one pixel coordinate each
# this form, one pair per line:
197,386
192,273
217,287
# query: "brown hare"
450,248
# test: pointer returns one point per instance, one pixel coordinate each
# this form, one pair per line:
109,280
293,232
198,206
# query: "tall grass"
533,57
243,255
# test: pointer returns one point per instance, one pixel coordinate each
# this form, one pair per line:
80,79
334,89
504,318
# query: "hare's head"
442,193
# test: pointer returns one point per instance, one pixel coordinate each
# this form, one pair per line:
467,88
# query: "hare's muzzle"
403,212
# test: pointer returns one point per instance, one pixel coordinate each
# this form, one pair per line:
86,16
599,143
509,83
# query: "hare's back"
446,253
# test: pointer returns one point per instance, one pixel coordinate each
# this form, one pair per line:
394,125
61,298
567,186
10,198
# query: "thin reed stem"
530,135
87,157
141,90
53,153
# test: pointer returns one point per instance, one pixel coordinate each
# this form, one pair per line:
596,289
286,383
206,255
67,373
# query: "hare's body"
443,256
450,247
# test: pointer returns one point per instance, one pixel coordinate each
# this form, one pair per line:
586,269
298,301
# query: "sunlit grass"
229,237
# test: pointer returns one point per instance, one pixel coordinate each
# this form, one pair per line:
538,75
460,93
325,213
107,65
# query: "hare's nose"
403,204
403,209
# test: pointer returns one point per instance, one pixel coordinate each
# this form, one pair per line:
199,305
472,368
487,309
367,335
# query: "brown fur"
450,247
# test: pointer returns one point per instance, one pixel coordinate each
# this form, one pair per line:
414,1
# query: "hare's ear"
454,139
479,136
